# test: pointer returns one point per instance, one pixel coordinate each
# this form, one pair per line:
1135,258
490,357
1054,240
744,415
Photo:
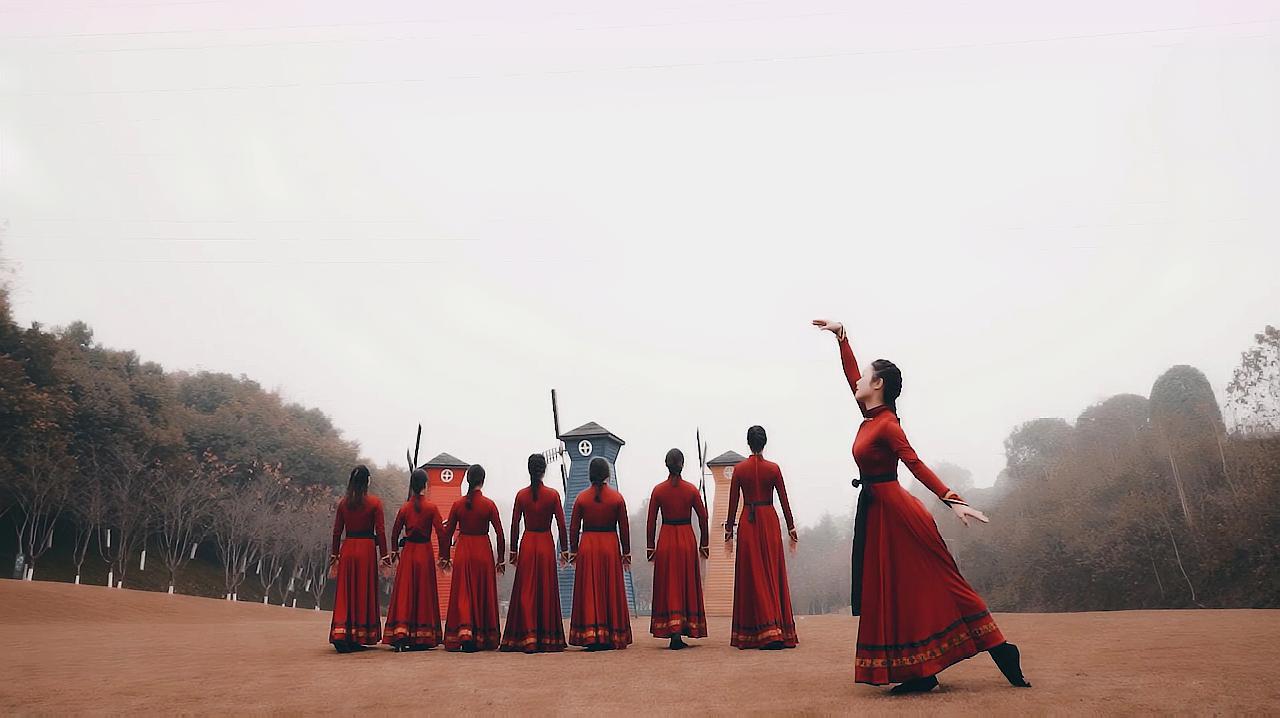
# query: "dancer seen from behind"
472,622
677,577
601,615
918,614
356,617
413,618
762,615
533,617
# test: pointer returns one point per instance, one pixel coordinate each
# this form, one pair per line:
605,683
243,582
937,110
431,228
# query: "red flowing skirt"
761,596
414,614
473,596
533,618
601,612
356,616
677,585
919,615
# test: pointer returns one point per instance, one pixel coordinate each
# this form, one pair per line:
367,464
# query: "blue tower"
581,446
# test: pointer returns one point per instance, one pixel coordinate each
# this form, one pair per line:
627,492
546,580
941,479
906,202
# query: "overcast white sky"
404,211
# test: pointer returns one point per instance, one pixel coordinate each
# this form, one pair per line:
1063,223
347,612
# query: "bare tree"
184,494
127,478
87,511
237,522
40,487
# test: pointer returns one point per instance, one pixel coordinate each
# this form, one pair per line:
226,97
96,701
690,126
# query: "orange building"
445,476
718,584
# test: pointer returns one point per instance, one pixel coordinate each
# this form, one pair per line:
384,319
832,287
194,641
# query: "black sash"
751,508
860,535
359,534
677,522
417,539
600,529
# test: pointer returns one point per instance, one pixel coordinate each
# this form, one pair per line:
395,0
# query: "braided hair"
357,486
757,438
475,479
537,469
889,373
675,462
598,472
417,482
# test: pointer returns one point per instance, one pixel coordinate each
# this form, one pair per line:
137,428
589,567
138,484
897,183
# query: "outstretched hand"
828,325
964,513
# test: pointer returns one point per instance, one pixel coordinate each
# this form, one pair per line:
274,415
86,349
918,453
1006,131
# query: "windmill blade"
555,419
408,459
417,444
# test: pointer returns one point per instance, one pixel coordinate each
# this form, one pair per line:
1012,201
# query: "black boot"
470,647
915,685
773,646
342,647
677,643
1008,660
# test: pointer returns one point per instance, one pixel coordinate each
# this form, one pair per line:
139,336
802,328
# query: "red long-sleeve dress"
473,589
761,595
533,617
601,613
677,573
918,614
356,615
413,617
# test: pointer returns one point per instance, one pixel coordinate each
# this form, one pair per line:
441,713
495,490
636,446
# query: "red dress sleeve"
442,549
897,441
786,503
851,371
379,528
651,523
496,519
339,523
624,525
564,531
397,526
575,525
450,526
701,509
734,488
515,523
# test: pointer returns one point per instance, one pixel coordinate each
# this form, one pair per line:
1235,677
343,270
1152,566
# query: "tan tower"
718,592
445,476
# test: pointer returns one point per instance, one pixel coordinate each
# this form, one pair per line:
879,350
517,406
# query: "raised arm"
495,518
651,522
380,529
851,372
339,524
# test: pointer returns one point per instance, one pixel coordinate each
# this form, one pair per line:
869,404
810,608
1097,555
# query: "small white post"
142,564
30,572
227,597
171,589
295,602
77,579
193,550
235,596
317,607
264,600
110,579
120,583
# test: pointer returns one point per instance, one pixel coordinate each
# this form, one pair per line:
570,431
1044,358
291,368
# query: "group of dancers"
918,615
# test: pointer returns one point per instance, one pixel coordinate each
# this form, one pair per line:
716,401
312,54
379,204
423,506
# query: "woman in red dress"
677,575
472,622
601,616
533,617
356,617
762,616
413,618
918,614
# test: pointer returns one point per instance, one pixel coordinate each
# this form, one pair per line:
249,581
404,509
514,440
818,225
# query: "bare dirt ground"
90,649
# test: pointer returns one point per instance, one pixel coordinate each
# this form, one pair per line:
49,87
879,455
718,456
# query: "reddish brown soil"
89,649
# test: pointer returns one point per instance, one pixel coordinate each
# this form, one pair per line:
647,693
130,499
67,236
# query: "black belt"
751,508
416,539
359,534
482,533
677,522
600,529
860,535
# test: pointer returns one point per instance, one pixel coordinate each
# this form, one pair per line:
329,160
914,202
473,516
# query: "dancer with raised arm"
601,615
677,576
918,614
413,618
533,617
357,620
472,622
762,616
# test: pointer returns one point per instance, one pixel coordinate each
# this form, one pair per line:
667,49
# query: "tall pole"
555,417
